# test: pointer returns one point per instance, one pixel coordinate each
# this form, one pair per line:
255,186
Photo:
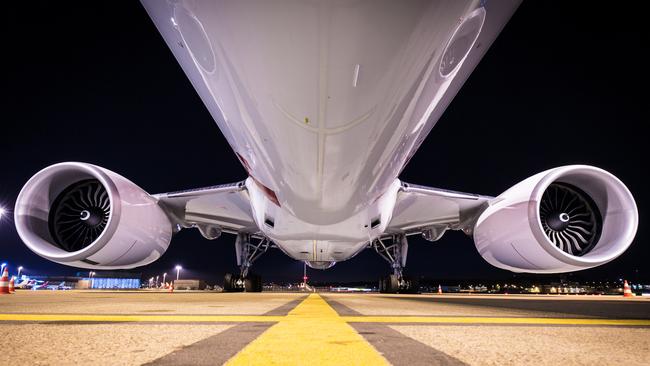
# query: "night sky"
565,83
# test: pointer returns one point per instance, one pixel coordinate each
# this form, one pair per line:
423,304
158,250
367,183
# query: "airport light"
164,276
20,268
178,272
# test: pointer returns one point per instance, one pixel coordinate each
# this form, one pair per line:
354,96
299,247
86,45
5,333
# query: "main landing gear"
394,249
247,249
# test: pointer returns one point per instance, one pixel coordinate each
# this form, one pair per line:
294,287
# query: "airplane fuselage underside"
324,102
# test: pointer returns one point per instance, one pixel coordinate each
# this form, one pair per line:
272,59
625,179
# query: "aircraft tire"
253,283
413,286
228,282
392,284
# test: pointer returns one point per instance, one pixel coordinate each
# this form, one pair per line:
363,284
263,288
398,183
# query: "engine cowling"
564,219
86,216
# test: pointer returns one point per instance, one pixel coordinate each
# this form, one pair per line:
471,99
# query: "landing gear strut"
247,249
394,250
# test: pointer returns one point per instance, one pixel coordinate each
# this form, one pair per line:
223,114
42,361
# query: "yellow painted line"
139,318
489,320
327,314
311,332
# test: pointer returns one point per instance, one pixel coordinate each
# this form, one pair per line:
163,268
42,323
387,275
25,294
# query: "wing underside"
421,209
224,208
418,209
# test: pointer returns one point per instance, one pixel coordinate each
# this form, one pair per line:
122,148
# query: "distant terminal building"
67,280
109,280
189,285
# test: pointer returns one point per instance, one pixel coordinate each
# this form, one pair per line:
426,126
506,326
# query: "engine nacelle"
85,216
564,219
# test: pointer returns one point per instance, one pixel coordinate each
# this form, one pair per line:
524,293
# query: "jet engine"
561,220
85,216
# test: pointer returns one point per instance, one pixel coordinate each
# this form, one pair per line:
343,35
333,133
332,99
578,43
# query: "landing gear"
232,283
247,249
392,284
253,283
394,249
389,284
250,283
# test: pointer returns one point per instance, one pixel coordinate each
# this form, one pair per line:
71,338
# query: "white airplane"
60,286
324,102
40,285
25,283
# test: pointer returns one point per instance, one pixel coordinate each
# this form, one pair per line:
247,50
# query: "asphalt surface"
201,328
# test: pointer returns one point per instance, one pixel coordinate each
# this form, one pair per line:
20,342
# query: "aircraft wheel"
228,282
392,284
413,286
253,283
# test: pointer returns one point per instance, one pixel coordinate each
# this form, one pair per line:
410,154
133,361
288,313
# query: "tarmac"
209,328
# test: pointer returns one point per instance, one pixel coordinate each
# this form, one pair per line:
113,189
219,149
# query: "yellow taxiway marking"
490,320
139,318
311,331
347,319
328,311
